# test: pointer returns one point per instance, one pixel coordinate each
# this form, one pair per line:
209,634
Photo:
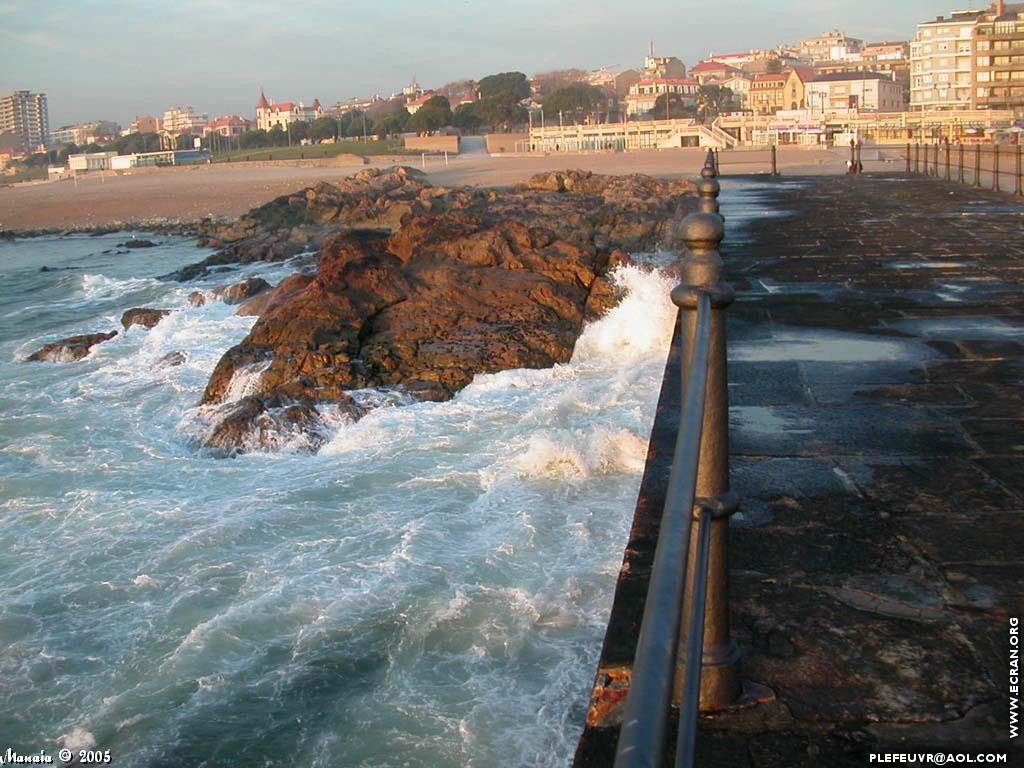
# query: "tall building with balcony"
25,118
999,58
969,60
831,46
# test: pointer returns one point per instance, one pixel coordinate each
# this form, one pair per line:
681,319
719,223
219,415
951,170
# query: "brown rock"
197,298
239,292
144,316
70,349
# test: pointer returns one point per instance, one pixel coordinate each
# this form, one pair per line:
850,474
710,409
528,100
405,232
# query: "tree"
514,83
576,99
466,119
390,125
547,83
677,106
323,128
501,112
774,66
430,117
712,100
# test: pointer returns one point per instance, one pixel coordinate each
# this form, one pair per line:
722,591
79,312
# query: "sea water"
429,589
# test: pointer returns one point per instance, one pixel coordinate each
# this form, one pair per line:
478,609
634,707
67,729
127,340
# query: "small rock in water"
197,298
144,316
239,292
172,359
269,423
138,243
70,349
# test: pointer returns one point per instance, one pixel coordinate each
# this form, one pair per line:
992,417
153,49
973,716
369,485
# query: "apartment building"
25,119
830,46
179,120
644,95
999,58
970,60
859,91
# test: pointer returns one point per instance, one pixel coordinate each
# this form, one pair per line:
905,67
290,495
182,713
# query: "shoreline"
174,200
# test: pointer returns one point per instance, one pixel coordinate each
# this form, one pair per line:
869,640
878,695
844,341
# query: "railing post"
977,165
949,150
1020,181
720,683
917,158
995,167
775,161
853,156
961,162
908,159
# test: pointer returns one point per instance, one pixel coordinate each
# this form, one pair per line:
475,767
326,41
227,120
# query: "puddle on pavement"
961,328
928,264
810,345
764,420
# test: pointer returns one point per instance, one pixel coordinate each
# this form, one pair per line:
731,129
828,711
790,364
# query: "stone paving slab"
877,438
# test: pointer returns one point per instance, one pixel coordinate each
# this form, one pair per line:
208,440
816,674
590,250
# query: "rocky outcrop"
144,316
626,212
172,360
70,349
137,243
462,282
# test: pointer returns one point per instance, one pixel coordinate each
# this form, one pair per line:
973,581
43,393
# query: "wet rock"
239,292
144,316
137,243
172,359
70,349
460,282
197,298
269,424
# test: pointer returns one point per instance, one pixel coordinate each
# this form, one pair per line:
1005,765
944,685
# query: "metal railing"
685,653
766,158
976,165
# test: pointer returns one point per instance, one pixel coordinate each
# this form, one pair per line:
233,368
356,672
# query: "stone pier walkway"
877,415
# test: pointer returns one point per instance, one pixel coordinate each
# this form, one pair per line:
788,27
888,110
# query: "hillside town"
960,78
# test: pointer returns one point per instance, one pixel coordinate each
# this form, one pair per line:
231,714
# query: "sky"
114,59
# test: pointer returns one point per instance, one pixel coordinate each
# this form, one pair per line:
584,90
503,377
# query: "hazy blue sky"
113,59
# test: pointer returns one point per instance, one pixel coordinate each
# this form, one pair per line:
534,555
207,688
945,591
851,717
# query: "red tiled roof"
262,103
713,66
668,81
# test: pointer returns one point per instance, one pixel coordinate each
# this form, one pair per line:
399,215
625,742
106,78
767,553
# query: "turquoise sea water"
430,589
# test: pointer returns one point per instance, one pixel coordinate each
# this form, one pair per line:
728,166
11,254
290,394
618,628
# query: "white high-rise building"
25,117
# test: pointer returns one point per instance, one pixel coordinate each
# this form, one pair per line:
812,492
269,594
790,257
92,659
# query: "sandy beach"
192,193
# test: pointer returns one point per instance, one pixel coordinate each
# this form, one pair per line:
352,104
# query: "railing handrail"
642,738
995,151
699,466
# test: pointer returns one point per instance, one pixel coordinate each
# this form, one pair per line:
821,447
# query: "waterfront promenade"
876,383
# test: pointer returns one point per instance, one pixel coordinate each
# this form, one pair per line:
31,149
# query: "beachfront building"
867,91
739,84
353,104
771,92
93,161
270,115
145,124
178,120
228,126
83,134
644,94
889,59
24,121
830,46
999,58
663,67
